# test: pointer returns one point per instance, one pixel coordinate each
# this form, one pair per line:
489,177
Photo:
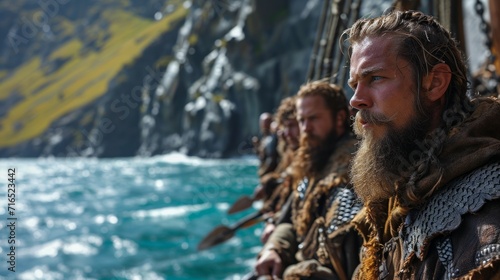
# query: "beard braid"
378,168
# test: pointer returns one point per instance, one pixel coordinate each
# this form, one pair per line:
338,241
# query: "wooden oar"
241,204
268,184
223,233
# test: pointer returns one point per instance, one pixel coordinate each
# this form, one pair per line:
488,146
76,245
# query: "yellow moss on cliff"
48,95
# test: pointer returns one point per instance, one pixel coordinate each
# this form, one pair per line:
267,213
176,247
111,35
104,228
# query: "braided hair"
424,43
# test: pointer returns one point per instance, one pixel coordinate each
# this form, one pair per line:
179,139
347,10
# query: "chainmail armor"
348,206
443,212
302,187
445,254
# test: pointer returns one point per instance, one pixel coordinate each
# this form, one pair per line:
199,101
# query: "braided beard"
379,164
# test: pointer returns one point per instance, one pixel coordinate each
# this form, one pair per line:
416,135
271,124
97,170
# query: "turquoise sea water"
138,218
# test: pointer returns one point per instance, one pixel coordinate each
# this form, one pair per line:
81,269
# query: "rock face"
199,88
247,56
228,61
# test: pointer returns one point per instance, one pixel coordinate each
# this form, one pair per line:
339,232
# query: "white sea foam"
123,247
81,245
222,206
41,272
169,212
180,158
87,218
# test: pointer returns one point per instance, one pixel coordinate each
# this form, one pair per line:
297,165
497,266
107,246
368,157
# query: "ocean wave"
82,245
180,158
169,212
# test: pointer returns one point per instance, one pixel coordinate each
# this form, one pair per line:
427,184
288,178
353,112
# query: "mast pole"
494,8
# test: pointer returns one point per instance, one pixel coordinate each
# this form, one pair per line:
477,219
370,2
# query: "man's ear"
437,81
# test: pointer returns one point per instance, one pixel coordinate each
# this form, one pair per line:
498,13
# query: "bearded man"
288,144
266,146
315,239
427,168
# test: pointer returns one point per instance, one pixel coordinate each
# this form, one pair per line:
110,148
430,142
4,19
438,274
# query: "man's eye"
376,78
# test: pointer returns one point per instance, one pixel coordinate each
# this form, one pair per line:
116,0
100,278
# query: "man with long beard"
315,239
427,168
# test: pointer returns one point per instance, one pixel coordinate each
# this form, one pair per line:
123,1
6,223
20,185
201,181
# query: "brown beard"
312,160
381,165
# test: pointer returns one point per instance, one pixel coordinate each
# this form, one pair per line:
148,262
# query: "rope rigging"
327,61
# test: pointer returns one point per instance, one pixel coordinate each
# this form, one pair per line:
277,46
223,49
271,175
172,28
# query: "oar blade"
241,204
217,236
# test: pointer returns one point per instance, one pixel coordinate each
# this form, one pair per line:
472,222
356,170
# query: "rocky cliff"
77,80
119,78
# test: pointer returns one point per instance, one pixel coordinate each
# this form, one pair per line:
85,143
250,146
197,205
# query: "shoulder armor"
442,213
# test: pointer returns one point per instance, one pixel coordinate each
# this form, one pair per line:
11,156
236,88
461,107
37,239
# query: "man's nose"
361,98
308,126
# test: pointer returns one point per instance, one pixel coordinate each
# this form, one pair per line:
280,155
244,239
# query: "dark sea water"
138,218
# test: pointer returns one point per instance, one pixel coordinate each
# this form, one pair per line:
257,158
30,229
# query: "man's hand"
269,263
268,229
259,192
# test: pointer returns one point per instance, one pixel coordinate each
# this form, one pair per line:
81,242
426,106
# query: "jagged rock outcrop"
198,88
248,55
228,62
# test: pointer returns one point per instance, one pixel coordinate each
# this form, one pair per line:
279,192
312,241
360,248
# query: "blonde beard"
380,167
371,181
